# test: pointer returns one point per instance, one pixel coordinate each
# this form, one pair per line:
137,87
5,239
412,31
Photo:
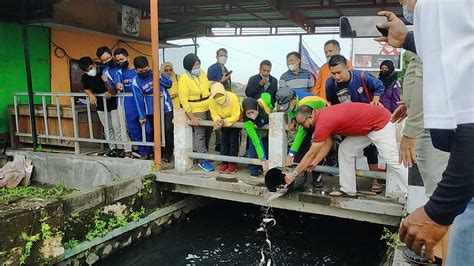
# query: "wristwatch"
294,173
291,155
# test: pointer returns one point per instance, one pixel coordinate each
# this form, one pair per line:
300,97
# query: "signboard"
130,20
369,54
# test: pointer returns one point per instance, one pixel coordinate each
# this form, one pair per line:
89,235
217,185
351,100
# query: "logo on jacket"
360,90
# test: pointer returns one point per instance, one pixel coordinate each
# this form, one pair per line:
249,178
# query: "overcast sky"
246,53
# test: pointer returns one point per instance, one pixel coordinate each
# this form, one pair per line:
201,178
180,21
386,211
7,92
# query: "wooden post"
155,48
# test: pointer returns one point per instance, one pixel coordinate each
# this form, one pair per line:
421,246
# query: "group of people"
126,117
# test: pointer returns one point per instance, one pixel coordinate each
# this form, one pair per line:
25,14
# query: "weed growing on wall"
392,240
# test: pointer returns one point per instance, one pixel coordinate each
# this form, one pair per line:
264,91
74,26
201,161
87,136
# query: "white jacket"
444,37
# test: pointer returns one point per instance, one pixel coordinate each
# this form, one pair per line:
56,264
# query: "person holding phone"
262,82
218,72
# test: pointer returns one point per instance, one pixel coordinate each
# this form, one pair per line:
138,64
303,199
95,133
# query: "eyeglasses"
168,70
302,123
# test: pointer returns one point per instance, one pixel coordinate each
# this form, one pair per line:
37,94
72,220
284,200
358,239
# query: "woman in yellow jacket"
168,70
225,111
194,97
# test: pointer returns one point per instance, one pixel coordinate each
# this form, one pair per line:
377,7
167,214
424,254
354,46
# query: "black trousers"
230,141
169,136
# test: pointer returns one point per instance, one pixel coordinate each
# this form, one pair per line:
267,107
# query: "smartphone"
229,73
361,27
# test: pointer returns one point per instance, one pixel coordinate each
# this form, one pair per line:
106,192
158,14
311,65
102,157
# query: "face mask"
124,64
253,116
110,63
92,72
292,67
220,100
144,75
222,60
408,16
196,72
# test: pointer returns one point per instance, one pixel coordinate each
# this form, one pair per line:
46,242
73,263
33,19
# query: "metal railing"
76,138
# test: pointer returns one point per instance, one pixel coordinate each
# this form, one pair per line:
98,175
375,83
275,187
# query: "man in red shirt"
362,124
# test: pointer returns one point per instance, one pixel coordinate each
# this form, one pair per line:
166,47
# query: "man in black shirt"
93,84
262,82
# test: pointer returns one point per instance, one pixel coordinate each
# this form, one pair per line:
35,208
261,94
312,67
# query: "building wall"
78,44
12,67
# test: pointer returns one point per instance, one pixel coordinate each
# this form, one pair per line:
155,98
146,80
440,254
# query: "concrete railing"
278,149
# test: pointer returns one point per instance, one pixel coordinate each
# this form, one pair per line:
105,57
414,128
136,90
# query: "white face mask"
292,67
253,116
408,16
92,72
222,60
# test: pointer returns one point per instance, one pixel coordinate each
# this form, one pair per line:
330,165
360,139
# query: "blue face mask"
196,72
408,16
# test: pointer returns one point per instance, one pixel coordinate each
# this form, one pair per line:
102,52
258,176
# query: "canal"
225,233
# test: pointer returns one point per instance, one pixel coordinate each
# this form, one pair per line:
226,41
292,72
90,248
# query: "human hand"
120,86
400,113
195,121
265,167
142,121
419,230
107,95
292,126
376,103
263,81
397,31
93,100
219,123
104,78
289,160
289,178
407,151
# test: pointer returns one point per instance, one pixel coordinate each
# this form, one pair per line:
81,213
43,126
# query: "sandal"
340,193
376,188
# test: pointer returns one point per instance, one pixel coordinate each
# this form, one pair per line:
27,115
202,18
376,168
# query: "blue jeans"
461,238
253,154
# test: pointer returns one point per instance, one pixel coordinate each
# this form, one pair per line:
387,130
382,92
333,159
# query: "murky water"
225,233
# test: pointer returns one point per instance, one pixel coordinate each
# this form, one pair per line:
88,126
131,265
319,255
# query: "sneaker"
111,153
206,166
223,167
232,169
120,153
317,180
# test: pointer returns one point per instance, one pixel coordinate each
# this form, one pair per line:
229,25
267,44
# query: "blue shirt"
125,76
303,81
354,88
143,94
215,73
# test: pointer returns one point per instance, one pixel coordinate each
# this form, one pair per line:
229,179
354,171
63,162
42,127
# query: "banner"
369,54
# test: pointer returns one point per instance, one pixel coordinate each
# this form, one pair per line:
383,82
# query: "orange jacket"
319,88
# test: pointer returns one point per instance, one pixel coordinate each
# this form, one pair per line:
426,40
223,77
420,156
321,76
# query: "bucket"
275,178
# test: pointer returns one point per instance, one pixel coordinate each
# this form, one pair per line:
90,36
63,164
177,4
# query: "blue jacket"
355,87
110,72
143,94
125,76
214,73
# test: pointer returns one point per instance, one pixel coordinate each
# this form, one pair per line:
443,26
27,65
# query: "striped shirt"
303,81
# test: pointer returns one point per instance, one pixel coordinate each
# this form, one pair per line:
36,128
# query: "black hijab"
388,77
251,103
189,61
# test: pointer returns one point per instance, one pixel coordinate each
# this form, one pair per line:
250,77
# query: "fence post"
183,141
277,139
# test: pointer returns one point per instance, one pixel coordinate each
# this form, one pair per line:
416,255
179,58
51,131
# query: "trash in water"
269,220
192,256
260,229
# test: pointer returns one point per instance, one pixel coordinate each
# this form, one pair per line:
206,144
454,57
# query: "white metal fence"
55,99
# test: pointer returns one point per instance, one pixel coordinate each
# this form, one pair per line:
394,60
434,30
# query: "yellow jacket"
229,111
194,89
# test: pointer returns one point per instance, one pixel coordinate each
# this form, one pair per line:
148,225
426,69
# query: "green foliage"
391,239
30,240
135,216
71,243
148,186
40,148
153,168
45,231
9,195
